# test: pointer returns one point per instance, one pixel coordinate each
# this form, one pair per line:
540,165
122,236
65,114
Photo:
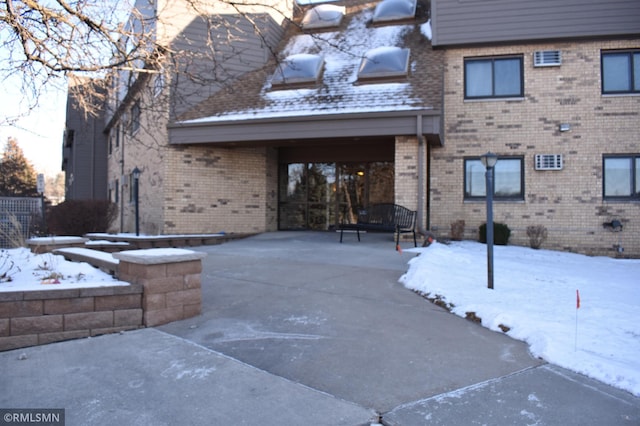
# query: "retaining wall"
165,287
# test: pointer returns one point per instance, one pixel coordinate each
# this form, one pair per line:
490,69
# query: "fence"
18,217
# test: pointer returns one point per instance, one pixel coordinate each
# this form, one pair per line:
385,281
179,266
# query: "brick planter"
165,287
29,318
171,282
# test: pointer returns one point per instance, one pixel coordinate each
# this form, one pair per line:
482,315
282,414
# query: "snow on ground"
21,270
536,294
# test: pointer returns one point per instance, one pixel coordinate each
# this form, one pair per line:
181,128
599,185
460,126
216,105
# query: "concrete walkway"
299,329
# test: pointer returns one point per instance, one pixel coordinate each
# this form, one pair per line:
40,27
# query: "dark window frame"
634,178
496,197
633,72
136,112
493,60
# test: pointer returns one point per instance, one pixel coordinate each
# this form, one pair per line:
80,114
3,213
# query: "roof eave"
319,126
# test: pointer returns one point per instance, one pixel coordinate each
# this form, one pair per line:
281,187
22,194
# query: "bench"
384,218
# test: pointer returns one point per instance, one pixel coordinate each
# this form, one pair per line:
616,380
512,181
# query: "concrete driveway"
299,329
333,317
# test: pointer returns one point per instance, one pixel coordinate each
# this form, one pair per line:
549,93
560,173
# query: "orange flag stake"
399,249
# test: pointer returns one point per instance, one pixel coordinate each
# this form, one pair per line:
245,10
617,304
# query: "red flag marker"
577,299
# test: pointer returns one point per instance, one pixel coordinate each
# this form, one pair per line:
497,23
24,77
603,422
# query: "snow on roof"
338,91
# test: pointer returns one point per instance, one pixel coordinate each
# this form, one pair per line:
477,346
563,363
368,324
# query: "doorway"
321,195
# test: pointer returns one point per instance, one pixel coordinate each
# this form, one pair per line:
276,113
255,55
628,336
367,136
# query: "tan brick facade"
569,202
213,189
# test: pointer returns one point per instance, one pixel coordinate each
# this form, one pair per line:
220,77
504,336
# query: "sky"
536,294
39,132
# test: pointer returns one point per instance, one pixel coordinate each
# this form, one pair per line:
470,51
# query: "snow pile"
536,295
21,270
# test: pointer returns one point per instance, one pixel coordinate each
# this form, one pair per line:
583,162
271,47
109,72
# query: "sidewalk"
299,329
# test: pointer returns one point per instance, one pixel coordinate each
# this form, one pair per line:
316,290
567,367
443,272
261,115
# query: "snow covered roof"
338,90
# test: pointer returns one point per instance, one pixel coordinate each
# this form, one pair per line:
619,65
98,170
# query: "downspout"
120,181
421,175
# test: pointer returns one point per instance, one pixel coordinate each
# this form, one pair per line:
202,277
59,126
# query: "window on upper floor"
508,181
384,63
495,77
621,177
620,71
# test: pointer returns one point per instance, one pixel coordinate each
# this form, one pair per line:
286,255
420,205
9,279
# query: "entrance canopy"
229,131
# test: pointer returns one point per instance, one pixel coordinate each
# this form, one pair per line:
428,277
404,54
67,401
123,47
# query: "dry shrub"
537,235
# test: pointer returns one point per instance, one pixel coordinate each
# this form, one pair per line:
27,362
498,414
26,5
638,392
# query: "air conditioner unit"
547,58
548,162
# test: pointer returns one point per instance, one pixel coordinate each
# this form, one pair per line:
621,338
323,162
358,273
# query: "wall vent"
547,58
548,161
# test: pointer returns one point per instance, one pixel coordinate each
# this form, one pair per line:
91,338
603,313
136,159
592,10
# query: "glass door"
319,196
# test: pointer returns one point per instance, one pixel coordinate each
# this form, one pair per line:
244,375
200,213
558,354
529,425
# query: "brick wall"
38,317
211,189
568,202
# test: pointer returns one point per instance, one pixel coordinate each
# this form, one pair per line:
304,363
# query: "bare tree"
45,40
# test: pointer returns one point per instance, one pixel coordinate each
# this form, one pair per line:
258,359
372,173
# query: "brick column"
171,282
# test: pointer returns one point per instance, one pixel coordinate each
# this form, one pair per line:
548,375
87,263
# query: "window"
384,62
323,16
298,69
499,77
508,180
135,117
621,72
622,177
394,10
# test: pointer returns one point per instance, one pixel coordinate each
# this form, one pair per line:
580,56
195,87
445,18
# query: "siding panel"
493,21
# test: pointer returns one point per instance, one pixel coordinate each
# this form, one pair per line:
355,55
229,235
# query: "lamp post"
136,181
489,161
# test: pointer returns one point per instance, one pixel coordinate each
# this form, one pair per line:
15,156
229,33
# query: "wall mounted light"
564,127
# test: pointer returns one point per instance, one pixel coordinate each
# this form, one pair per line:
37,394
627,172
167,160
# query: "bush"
537,235
78,217
501,234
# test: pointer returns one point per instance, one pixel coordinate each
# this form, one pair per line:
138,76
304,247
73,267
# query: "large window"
622,177
508,179
498,77
621,72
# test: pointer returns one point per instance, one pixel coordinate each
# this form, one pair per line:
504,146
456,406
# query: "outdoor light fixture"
136,180
489,161
564,127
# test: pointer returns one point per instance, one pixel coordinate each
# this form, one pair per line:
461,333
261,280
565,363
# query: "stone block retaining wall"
164,287
29,318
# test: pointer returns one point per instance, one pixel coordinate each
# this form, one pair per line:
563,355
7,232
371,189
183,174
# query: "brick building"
330,107
561,113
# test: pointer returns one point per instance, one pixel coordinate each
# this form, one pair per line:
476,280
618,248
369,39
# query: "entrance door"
307,196
319,196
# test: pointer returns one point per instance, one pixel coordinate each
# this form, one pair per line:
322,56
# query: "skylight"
323,16
384,62
394,10
298,69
